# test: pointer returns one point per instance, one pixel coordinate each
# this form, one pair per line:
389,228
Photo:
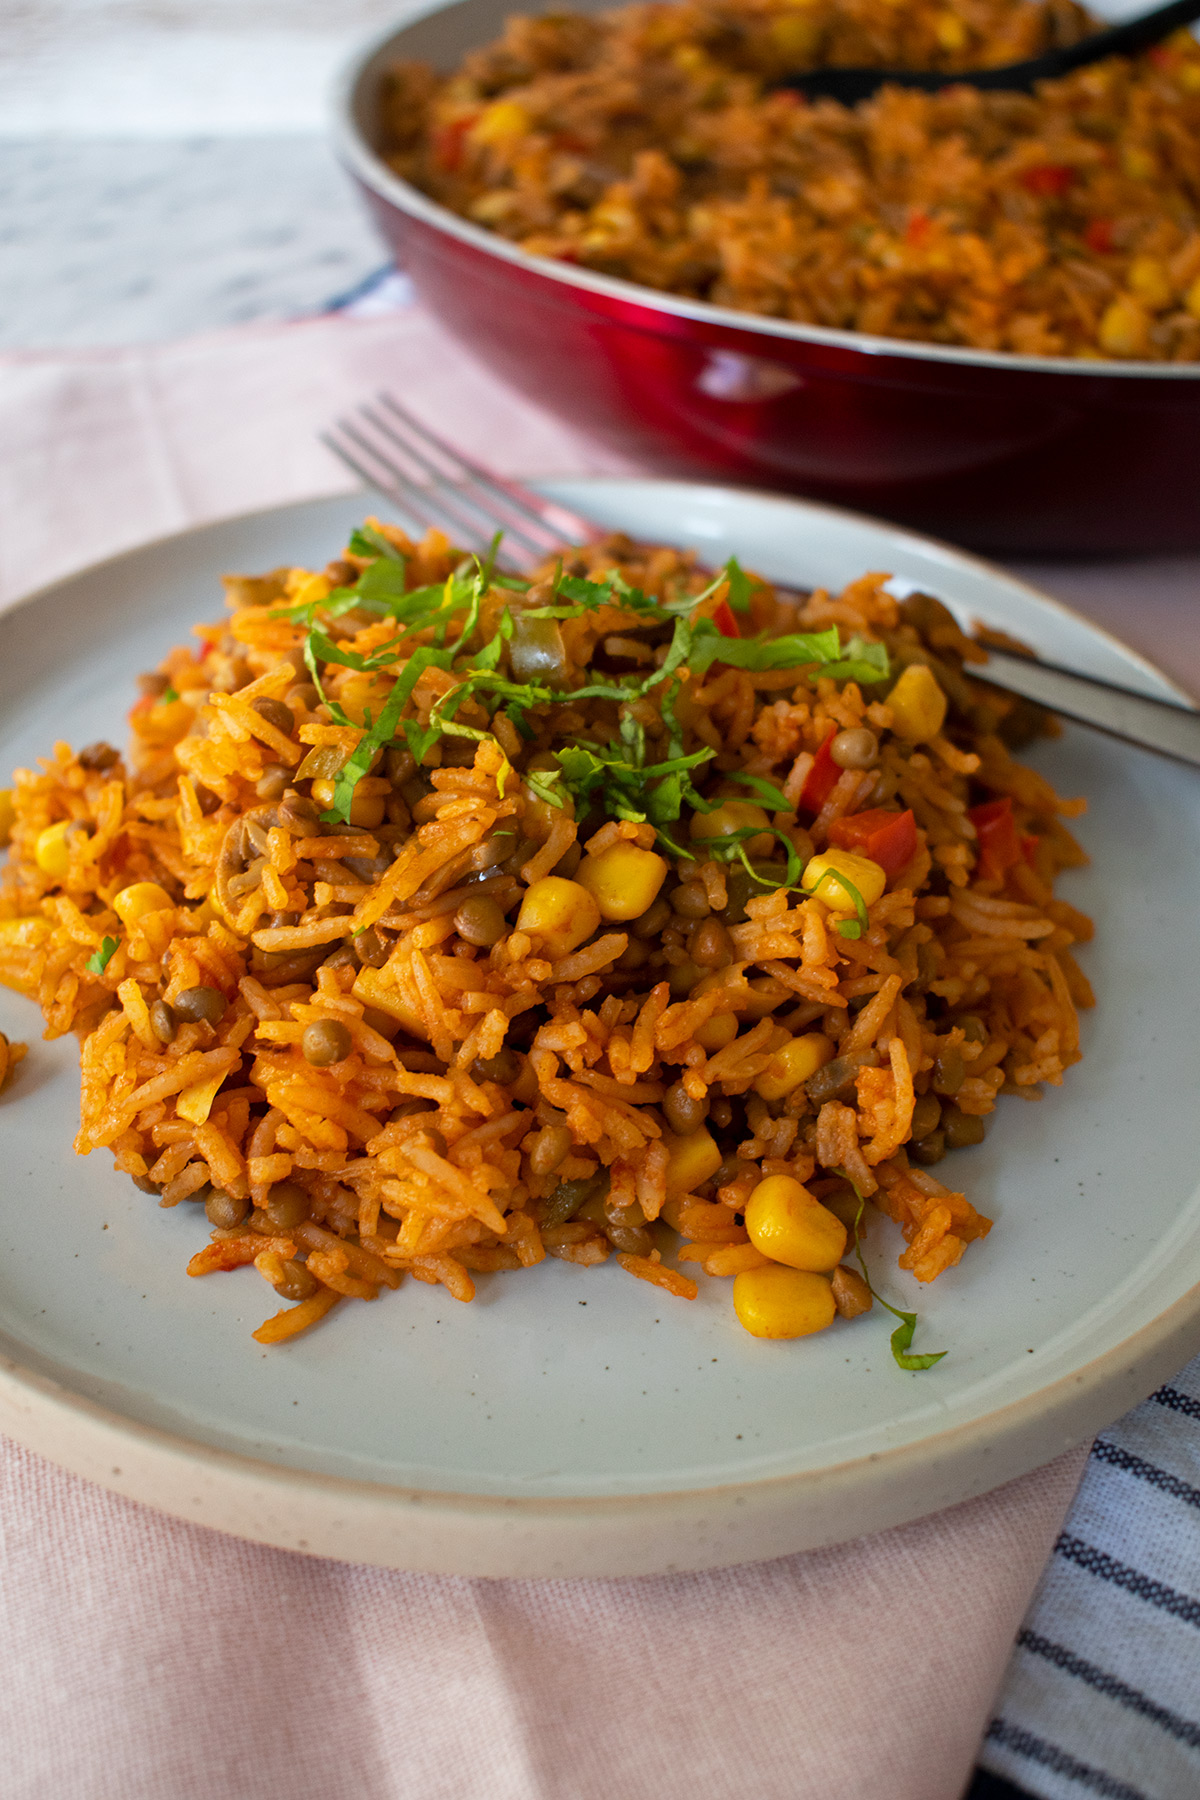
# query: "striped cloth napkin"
1103,1692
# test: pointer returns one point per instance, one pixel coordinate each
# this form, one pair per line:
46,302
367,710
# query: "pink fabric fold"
144,1658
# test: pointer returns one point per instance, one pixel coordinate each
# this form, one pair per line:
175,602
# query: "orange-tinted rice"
495,1105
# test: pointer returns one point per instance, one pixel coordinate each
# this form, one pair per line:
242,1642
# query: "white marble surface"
164,169
106,242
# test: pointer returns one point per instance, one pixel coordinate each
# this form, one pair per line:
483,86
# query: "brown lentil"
162,1022
961,1129
710,945
927,1115
297,1283
683,1114
690,901
480,921
550,1148
326,1041
372,948
224,1211
287,1205
275,713
273,783
504,1067
949,1071
201,1003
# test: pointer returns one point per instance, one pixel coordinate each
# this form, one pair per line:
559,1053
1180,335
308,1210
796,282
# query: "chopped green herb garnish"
99,960
170,696
617,776
847,928
902,1337
367,541
740,586
765,791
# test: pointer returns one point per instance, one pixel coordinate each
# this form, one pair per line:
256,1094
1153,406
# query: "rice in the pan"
649,143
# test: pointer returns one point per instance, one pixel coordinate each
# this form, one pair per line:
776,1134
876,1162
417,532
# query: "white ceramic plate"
577,1422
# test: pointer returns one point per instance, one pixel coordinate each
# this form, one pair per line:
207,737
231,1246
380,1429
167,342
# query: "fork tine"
422,503
463,495
510,494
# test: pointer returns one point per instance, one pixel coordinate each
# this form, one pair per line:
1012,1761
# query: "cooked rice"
646,143
492,1104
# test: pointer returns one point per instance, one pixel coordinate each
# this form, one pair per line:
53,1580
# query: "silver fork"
384,444
434,484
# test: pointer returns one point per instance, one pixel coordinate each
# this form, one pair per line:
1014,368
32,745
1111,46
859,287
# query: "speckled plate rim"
638,1534
518,1536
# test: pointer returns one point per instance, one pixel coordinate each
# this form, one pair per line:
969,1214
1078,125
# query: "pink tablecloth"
147,1659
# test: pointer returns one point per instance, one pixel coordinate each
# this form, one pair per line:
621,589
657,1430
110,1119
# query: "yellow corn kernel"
560,914
794,1064
1139,164
132,903
790,1225
918,705
163,723
358,693
950,32
51,853
367,805
690,1160
821,873
1124,327
716,1032
796,36
8,815
501,121
1150,281
783,1303
725,819
623,880
1192,298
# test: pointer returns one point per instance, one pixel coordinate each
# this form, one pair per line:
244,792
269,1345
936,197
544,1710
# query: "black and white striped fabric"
1103,1692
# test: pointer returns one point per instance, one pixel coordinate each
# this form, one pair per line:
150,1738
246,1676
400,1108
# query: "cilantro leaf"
862,662
368,541
740,586
902,1337
99,960
170,695
382,732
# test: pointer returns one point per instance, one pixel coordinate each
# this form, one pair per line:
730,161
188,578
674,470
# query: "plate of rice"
637,1065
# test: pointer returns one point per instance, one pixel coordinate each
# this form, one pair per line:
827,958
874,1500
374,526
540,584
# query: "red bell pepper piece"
1000,843
1049,181
725,620
916,232
449,143
888,838
822,777
1098,236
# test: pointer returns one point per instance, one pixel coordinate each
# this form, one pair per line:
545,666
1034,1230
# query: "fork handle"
1162,725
